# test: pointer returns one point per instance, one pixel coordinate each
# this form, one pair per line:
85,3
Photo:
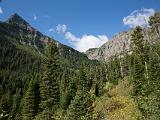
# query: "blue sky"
83,19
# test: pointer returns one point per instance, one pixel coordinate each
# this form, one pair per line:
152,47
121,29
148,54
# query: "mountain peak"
17,20
15,15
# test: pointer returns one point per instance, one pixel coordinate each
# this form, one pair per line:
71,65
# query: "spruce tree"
140,71
5,105
154,22
69,94
83,82
154,100
30,102
81,107
154,70
49,87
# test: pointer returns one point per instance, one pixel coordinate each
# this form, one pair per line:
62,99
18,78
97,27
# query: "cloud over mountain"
138,18
61,28
83,42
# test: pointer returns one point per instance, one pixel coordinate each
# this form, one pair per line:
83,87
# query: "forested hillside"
22,63
41,79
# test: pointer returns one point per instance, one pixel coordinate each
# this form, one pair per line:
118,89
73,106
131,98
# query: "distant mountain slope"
116,45
25,37
25,33
120,43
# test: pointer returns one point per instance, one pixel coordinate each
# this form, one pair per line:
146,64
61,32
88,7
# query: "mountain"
113,47
22,54
19,21
119,44
24,36
42,79
25,33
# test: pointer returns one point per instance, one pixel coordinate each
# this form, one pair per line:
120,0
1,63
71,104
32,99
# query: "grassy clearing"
116,103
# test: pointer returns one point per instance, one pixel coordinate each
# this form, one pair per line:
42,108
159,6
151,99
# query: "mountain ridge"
118,44
25,36
30,35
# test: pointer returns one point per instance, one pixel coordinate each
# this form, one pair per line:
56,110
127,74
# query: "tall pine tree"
154,99
140,71
31,102
49,87
81,107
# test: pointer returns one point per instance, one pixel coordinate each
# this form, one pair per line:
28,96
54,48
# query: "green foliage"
31,101
145,72
154,22
49,87
81,107
113,70
16,69
5,105
44,115
154,19
154,101
137,40
69,80
68,94
112,105
139,71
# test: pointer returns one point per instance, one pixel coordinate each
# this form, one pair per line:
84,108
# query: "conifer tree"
139,71
49,87
154,22
30,102
154,70
69,94
83,82
5,105
154,99
81,107
113,70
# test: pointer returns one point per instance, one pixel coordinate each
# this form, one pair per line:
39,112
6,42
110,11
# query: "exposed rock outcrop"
120,43
26,34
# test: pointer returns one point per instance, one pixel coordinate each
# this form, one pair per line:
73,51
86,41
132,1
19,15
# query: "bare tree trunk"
159,30
122,81
146,70
156,30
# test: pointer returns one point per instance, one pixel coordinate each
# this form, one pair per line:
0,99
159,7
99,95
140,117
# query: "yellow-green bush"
116,103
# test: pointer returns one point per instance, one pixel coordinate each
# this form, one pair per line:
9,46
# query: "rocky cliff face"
26,34
118,44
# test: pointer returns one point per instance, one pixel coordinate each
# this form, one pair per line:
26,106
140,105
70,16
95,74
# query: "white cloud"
71,37
138,18
35,17
84,42
90,41
51,30
61,28
1,10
